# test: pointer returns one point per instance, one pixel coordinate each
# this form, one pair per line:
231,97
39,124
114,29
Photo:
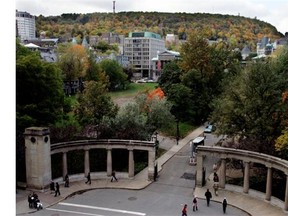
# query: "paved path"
251,205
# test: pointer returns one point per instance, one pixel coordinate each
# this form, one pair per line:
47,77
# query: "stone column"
246,177
64,164
222,177
199,170
268,184
37,157
151,162
109,161
286,194
86,161
131,164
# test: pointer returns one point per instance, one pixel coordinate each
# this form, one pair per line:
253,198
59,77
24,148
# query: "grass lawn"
133,89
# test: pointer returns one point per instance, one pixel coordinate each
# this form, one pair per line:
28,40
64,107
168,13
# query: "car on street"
209,128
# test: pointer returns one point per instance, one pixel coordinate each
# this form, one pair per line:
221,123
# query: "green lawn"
133,89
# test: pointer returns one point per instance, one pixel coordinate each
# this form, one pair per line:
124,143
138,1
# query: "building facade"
25,26
141,48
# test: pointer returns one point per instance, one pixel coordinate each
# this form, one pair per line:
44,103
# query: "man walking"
224,204
114,176
184,210
208,196
57,191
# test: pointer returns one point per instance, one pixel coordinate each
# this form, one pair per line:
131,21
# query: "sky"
274,12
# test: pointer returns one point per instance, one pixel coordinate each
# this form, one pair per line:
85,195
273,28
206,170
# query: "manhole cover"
190,176
132,198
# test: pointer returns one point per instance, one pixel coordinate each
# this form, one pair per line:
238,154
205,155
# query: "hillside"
236,29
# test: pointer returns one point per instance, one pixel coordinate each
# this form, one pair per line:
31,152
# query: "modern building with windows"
25,26
141,48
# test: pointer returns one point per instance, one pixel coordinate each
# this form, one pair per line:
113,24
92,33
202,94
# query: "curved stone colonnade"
247,157
38,151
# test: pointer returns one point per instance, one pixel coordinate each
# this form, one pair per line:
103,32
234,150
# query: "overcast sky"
274,12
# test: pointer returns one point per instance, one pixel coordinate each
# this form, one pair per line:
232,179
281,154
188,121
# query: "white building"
25,26
141,48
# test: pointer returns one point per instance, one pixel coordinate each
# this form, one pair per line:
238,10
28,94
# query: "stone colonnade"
246,157
39,151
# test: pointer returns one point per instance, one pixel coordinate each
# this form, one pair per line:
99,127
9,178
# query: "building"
161,60
25,26
141,48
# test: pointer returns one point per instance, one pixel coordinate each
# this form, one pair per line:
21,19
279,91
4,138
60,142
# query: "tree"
39,92
73,61
117,78
250,107
93,104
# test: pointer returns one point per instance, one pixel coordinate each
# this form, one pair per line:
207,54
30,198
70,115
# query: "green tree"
93,104
39,92
117,78
250,108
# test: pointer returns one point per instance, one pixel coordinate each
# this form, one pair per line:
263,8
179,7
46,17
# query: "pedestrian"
30,200
184,210
215,167
216,183
114,176
224,204
57,191
52,186
66,179
195,203
208,196
88,178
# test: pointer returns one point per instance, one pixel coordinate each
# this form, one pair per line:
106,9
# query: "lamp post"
177,131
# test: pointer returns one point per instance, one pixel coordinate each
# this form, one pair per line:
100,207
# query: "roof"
198,139
31,45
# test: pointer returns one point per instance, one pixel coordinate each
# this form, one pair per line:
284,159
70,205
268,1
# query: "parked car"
209,128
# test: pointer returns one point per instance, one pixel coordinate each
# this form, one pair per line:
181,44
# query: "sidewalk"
140,181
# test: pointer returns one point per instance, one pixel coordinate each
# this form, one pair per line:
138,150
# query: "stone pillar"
109,161
64,164
38,157
199,170
286,194
86,161
222,177
151,162
268,184
246,177
131,164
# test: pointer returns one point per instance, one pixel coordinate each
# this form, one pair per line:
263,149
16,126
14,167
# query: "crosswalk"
79,210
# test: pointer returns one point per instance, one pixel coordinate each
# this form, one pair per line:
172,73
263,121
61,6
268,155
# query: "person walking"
184,210
114,176
52,187
216,183
195,203
57,191
88,179
66,181
208,196
224,204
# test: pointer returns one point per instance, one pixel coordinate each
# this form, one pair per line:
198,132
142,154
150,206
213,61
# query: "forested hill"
236,29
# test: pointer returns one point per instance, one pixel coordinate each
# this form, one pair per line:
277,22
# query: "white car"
209,128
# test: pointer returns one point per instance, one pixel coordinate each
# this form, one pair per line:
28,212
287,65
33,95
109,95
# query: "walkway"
251,205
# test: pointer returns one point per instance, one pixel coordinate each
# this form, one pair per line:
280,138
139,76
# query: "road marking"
104,209
73,212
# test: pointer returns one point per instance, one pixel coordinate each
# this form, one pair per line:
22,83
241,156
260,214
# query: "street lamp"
177,131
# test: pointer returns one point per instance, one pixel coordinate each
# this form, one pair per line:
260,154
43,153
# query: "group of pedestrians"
34,202
54,187
208,196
